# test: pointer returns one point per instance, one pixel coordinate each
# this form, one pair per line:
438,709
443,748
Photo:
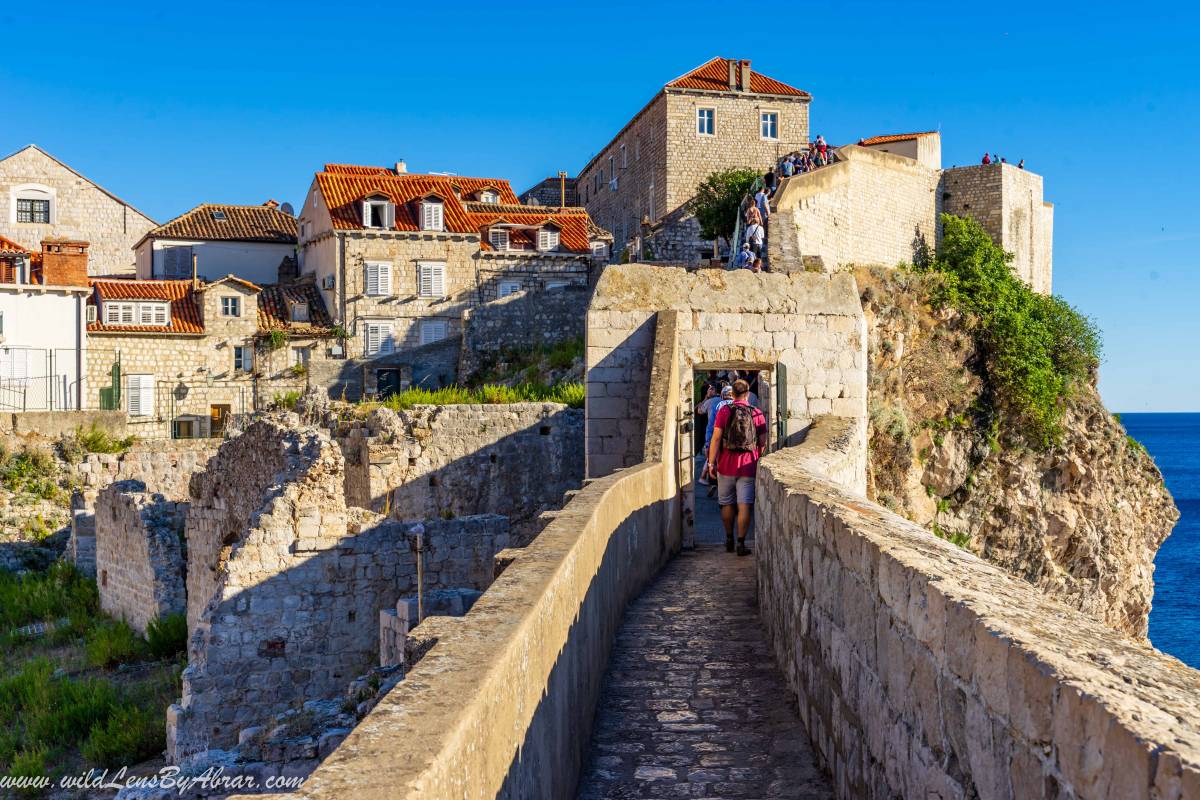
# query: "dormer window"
298,311
432,215
218,215
149,314
499,238
379,212
489,196
547,239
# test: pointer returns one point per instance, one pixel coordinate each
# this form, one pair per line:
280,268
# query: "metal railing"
735,242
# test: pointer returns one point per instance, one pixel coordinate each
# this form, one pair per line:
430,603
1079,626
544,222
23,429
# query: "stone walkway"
692,704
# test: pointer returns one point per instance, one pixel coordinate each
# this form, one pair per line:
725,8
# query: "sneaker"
728,544
742,550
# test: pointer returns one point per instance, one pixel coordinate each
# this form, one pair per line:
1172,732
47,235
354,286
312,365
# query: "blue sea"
1174,441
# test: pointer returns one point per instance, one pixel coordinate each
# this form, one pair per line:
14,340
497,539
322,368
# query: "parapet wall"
502,705
923,671
139,554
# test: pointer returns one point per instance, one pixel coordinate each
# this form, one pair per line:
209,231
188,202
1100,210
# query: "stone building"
399,257
43,198
924,147
182,357
551,192
718,116
247,241
42,341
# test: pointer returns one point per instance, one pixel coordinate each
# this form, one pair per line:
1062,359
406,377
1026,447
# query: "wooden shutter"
140,391
389,216
384,270
433,330
499,238
372,339
385,337
366,213
437,279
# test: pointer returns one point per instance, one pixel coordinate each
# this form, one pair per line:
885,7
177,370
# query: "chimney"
272,203
64,262
401,167
732,75
744,77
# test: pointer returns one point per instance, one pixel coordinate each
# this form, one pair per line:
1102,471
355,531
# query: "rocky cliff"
1082,520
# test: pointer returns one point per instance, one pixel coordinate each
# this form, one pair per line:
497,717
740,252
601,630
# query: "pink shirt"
742,463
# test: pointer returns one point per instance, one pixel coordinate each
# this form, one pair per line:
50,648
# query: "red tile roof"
240,224
894,137
9,246
344,187
185,312
713,76
274,310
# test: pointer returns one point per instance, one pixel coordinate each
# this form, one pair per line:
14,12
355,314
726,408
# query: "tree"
718,200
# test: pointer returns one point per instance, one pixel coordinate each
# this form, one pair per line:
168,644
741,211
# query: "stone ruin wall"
139,556
162,467
521,320
286,582
434,461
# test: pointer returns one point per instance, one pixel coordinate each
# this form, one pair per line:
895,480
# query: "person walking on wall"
762,201
755,236
725,398
739,437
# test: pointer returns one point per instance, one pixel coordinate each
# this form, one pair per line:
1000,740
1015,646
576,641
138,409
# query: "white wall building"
247,241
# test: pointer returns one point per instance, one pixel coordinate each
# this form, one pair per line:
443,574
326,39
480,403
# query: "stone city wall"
431,461
285,582
139,554
502,704
519,321
922,671
870,207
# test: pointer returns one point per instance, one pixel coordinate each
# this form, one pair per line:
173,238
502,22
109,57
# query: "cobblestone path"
693,704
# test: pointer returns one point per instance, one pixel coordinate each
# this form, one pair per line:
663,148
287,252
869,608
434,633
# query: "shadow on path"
693,704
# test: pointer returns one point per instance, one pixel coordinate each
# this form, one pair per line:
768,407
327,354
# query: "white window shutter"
384,277
372,279
439,280
372,339
385,338
389,216
424,285
366,213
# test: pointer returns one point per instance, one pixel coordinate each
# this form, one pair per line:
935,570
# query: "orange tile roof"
9,246
185,312
274,310
894,137
241,224
713,76
345,186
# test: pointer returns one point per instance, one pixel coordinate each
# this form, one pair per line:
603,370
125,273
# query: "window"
298,311
706,121
231,306
37,211
431,279
498,238
139,389
378,212
769,124
218,215
637,149
243,359
300,356
599,249
379,338
177,261
153,314
651,204
508,287
379,278
431,216
547,239
557,284
624,157
433,330
488,196
119,313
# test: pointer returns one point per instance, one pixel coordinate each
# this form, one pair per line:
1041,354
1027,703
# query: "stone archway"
808,327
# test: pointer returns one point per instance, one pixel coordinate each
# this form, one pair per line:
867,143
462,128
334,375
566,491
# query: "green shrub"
29,763
130,735
28,470
1037,349
568,393
276,340
718,199
61,591
167,636
564,354
96,440
113,643
287,400
38,709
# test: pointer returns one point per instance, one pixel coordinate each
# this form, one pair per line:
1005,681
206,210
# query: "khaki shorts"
732,489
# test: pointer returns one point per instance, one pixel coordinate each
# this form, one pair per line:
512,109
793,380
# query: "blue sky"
169,105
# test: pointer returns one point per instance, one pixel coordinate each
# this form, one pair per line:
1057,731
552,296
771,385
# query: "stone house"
42,342
718,116
551,192
924,147
43,198
398,257
247,241
182,357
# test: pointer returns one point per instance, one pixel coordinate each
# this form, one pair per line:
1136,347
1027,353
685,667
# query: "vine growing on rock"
1037,349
